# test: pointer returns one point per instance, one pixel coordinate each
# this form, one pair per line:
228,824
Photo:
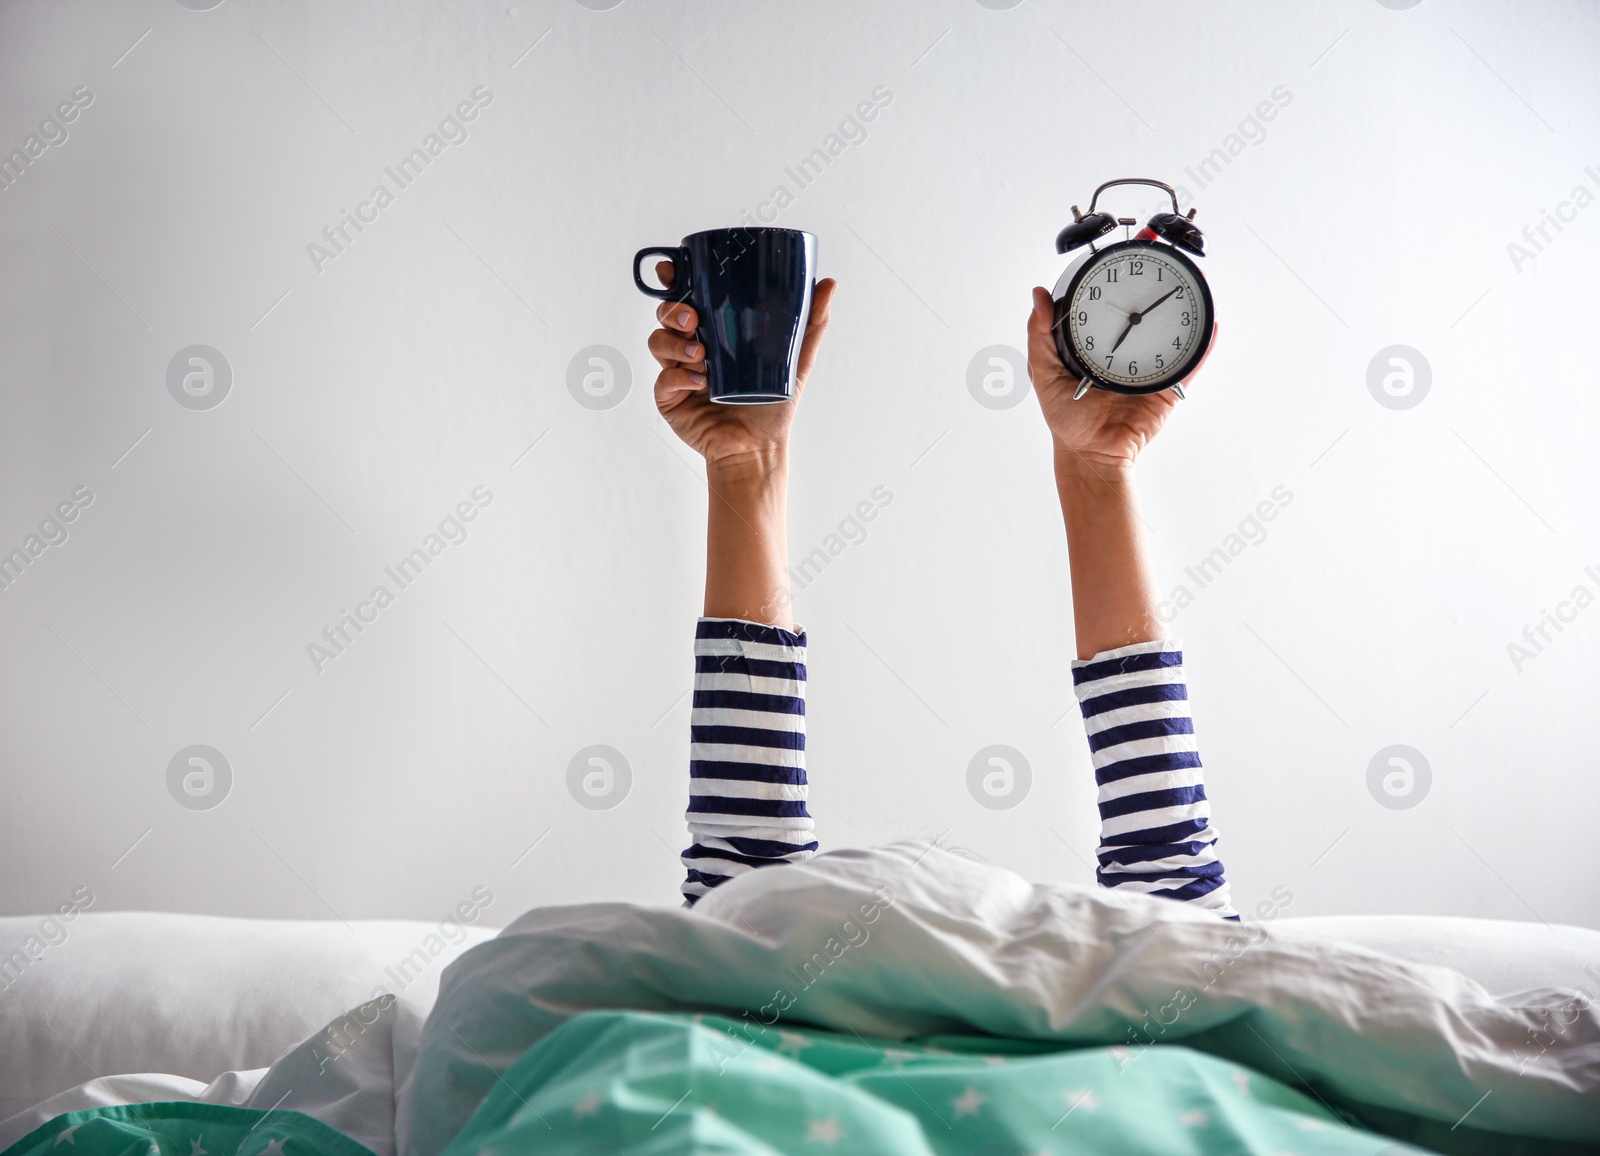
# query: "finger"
674,385
679,315
817,325
666,270
821,302
1210,349
673,349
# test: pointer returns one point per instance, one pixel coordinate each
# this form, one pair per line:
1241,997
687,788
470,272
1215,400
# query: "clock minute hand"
1159,300
1135,318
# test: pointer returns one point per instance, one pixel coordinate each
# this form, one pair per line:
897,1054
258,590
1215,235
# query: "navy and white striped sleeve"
1155,823
747,753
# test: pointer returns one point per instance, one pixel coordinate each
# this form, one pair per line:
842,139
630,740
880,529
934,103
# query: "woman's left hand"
727,436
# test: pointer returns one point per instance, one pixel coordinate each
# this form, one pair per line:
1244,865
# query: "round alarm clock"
1132,316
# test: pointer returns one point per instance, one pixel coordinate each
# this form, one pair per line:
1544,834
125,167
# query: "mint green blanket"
610,1082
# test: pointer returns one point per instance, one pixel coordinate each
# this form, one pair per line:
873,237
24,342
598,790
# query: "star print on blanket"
632,1082
184,1129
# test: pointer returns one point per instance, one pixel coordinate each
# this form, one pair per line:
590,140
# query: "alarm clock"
1132,316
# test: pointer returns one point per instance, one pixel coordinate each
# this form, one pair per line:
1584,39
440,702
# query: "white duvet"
954,946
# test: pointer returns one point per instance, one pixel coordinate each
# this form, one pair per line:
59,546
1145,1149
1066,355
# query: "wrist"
746,549
1077,472
757,468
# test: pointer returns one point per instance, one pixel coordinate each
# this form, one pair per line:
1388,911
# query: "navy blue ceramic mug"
752,289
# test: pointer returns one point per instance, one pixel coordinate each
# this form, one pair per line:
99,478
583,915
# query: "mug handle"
680,272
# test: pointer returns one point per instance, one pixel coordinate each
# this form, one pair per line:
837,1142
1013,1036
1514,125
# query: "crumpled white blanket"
910,940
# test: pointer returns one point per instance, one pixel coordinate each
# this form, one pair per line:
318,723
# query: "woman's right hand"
1102,432
727,436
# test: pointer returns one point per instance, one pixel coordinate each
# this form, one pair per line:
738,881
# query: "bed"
254,1020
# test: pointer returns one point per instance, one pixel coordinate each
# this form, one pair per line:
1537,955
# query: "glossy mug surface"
752,289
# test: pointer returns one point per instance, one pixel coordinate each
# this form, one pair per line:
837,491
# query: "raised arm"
747,776
1155,830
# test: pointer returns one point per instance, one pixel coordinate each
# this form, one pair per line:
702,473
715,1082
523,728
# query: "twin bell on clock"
1133,316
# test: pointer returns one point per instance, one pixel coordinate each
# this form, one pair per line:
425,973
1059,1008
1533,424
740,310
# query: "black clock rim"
1064,347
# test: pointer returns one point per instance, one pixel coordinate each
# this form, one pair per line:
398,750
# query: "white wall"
372,396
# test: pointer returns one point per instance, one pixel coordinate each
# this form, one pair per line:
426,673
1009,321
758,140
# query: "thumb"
1043,316
1042,356
816,325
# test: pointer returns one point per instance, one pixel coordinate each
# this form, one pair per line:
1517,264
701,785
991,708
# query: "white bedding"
187,1001
201,1005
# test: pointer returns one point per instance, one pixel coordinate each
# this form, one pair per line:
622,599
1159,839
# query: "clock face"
1137,316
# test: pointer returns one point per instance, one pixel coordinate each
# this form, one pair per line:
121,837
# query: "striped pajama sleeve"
747,753
1155,823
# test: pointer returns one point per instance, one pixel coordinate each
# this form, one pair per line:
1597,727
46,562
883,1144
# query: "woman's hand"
1102,432
727,436
1097,438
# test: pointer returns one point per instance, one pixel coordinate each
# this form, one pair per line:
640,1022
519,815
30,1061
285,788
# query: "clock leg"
1177,388
1083,388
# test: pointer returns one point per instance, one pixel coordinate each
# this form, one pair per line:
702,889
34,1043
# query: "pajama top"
747,764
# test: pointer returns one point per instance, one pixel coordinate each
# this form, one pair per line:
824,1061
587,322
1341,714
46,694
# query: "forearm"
1113,588
747,742
747,553
1155,830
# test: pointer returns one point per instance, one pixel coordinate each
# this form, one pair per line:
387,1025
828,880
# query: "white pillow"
193,995
1502,955
344,1075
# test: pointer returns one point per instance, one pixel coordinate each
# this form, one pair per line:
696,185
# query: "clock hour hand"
1133,319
